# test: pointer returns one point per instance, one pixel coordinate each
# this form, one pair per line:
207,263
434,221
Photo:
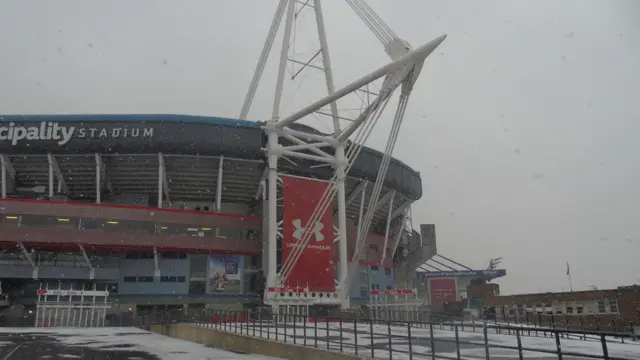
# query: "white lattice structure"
396,304
71,308
345,142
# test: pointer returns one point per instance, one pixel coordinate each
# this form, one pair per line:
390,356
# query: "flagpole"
569,274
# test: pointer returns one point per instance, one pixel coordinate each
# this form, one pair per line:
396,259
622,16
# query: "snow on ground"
444,341
127,340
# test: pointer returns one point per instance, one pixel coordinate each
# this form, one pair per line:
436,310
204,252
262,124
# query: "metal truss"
345,142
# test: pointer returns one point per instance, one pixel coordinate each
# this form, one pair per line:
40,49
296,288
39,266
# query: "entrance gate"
396,305
71,308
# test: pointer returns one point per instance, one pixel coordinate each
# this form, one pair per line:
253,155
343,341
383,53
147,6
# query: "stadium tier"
164,209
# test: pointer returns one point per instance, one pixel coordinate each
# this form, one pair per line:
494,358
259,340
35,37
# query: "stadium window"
129,279
174,255
145,278
601,307
613,306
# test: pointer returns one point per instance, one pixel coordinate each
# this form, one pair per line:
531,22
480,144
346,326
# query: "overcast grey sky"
524,124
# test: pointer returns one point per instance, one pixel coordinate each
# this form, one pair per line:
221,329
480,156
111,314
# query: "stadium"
153,208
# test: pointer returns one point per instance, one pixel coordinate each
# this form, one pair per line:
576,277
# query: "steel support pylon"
345,142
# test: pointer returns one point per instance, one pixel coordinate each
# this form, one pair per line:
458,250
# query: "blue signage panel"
465,273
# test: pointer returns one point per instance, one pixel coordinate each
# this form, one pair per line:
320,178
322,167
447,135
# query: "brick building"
611,309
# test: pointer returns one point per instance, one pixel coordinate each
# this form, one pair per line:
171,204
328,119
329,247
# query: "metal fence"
359,333
389,339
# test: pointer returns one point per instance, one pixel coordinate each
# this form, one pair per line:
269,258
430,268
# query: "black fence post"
485,331
409,339
286,320
390,343
340,321
315,331
327,333
558,345
305,319
433,342
373,350
605,350
355,333
295,331
519,338
457,343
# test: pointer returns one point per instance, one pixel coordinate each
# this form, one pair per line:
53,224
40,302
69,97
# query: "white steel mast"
402,71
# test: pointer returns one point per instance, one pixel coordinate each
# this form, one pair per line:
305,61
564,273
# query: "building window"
601,307
558,311
569,310
579,310
613,306
374,268
174,255
389,287
130,279
387,271
179,279
145,278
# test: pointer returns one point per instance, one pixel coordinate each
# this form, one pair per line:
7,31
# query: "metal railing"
358,334
409,339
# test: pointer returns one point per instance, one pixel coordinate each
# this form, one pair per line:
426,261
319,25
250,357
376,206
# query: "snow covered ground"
111,343
501,346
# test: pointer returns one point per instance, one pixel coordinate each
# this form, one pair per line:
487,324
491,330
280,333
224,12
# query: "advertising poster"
224,274
314,268
442,290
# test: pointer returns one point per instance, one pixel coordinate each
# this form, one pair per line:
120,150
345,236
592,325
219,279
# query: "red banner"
315,268
442,290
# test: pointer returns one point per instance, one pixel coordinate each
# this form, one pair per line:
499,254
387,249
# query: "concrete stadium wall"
247,344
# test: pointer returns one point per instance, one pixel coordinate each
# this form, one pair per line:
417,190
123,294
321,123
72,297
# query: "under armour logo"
299,230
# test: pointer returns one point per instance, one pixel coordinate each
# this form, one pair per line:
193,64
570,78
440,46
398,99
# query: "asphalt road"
34,346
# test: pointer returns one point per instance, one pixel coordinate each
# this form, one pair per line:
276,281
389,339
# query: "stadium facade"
168,210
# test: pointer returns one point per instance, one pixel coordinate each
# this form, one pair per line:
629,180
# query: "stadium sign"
62,134
465,273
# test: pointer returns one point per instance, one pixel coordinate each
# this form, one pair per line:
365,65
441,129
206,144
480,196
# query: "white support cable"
398,236
262,61
388,227
373,21
379,181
